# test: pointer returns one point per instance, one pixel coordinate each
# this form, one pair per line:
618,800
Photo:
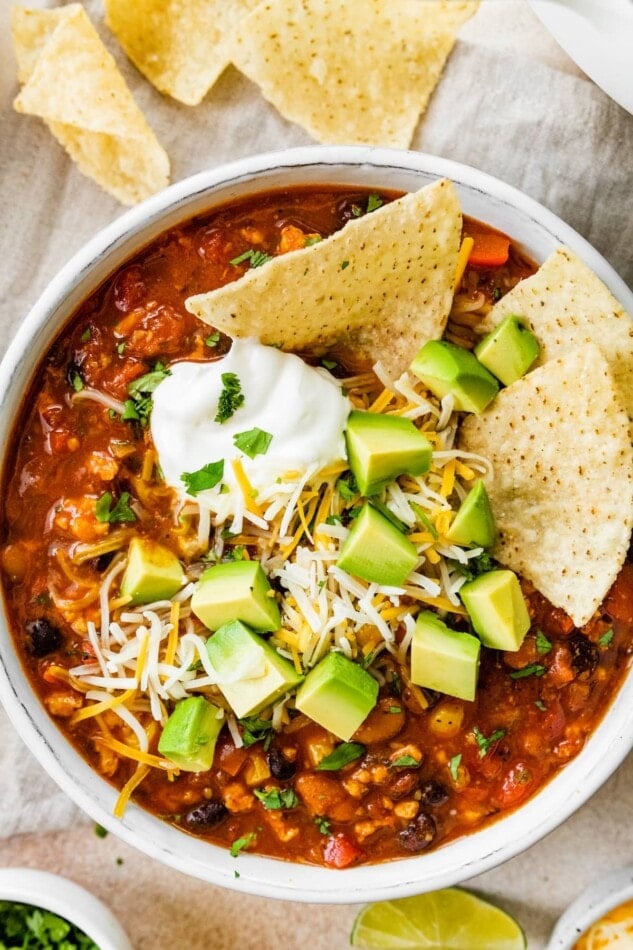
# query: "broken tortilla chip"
71,81
353,73
383,283
181,46
565,305
561,486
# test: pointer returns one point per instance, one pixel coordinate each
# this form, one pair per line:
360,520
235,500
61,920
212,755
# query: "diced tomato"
341,851
230,759
491,249
517,783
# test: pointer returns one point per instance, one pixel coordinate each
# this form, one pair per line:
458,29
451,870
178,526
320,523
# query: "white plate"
598,35
595,901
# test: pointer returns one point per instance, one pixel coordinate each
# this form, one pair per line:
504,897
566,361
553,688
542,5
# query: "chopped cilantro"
329,364
405,761
212,340
606,638
347,487
255,730
373,203
357,211
344,753
121,511
543,645
274,799
322,824
423,518
76,381
395,709
534,669
100,831
497,294
344,265
312,239
236,874
333,519
231,397
120,348
484,743
139,405
236,554
475,566
206,477
253,442
86,335
540,705
394,684
33,928
241,843
453,766
254,258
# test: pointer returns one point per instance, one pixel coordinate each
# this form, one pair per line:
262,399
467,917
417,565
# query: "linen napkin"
549,132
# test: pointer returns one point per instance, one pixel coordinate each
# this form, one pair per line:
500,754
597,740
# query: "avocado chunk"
251,674
443,659
509,350
377,551
446,368
237,590
189,735
380,448
338,695
152,572
474,523
497,609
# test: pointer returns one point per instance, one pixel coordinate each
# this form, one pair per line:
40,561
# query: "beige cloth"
511,104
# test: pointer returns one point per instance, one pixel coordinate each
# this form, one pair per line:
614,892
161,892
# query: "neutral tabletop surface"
163,908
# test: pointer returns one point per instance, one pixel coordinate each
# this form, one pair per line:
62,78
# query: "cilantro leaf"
534,669
373,203
484,743
312,239
606,638
424,520
475,566
274,799
206,477
121,511
405,761
344,753
253,257
241,843
231,397
453,766
76,381
322,824
253,442
347,487
543,645
139,405
212,340
255,730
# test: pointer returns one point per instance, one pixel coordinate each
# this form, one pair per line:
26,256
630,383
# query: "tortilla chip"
383,283
72,82
561,486
181,46
566,305
352,73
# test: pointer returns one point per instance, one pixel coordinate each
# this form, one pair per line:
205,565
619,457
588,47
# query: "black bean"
584,654
103,562
432,793
206,815
280,767
45,636
419,834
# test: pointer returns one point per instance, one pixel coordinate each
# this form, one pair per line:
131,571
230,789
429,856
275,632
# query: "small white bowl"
67,899
594,902
538,232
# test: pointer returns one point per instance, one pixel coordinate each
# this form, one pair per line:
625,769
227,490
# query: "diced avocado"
443,659
446,368
251,674
152,572
474,523
509,350
497,609
337,694
189,735
237,590
380,448
377,551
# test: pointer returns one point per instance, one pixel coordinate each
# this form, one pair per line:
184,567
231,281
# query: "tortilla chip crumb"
72,82
561,486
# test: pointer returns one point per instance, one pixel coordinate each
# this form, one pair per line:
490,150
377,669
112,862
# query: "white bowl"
596,900
538,232
67,899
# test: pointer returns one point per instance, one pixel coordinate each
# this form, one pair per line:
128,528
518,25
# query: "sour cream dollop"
301,406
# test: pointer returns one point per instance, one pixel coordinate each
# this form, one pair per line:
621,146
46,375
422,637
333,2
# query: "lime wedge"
451,919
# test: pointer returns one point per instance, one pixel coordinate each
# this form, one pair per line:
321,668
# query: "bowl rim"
597,899
61,896
258,875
